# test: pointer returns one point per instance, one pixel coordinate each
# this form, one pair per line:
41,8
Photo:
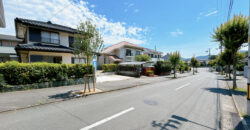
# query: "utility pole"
209,54
248,69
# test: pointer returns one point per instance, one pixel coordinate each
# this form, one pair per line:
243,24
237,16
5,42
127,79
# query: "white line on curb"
185,85
107,119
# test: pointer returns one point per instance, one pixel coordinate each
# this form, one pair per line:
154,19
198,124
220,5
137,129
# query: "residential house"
120,52
126,52
155,55
45,42
2,18
7,48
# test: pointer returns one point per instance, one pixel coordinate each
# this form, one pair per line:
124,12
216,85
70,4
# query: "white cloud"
176,33
92,6
211,13
70,14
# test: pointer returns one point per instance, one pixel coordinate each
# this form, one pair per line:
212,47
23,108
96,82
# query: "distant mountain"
199,58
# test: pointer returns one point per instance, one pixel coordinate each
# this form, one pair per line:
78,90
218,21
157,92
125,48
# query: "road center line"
185,85
107,119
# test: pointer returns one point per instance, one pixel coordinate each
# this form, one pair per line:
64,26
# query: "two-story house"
155,55
120,52
45,42
7,48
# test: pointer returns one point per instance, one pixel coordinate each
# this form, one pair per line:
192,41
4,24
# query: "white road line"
107,119
185,85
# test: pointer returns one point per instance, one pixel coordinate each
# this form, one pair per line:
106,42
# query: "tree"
198,64
212,57
174,59
226,58
181,66
220,62
142,58
193,63
87,41
233,34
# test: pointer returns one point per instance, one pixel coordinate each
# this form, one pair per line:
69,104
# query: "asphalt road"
188,103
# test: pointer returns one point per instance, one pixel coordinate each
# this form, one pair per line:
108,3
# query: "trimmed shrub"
162,67
150,72
130,70
109,67
16,73
142,58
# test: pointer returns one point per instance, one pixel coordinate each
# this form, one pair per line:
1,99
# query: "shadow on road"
63,96
225,91
175,122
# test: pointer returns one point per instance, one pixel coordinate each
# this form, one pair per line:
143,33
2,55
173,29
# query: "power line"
230,9
60,11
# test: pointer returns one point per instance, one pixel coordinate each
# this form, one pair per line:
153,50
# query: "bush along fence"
162,68
129,70
109,67
22,76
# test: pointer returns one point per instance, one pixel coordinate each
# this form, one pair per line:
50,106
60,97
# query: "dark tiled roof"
44,47
9,38
47,25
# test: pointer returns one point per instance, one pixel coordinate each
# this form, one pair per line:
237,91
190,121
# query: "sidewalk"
230,118
23,99
239,97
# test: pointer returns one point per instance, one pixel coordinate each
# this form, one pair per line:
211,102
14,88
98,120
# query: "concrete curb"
36,105
237,108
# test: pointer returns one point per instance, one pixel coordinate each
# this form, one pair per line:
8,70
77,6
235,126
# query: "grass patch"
239,89
242,114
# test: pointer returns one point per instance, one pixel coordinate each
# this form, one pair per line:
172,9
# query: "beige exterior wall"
66,57
25,55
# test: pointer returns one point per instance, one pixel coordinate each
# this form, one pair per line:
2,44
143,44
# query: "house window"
34,35
6,43
152,55
54,38
49,59
77,60
71,41
50,37
137,53
128,52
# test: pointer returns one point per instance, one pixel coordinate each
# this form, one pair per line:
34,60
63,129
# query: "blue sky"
170,25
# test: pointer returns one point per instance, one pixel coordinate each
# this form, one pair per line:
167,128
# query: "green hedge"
162,66
16,73
109,67
128,67
129,70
